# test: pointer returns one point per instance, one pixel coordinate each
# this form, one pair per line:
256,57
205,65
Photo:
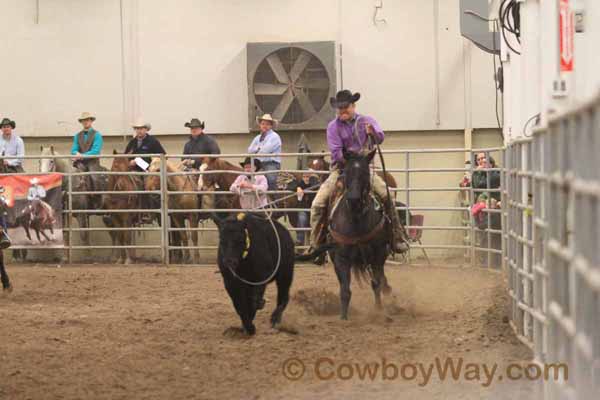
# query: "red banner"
567,32
31,206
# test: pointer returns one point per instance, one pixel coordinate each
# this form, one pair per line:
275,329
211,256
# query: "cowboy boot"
316,232
4,240
399,242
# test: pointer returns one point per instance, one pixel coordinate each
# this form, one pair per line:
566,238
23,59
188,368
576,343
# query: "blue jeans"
302,223
271,178
3,223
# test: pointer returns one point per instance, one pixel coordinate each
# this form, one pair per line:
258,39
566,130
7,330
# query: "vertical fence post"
407,187
487,233
471,202
70,217
164,203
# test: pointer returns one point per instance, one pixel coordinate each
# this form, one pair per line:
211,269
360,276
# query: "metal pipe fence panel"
476,243
552,242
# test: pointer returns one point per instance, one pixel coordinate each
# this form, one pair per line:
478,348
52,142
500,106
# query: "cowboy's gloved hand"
369,128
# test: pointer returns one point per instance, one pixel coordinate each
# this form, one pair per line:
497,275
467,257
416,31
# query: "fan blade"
319,83
305,104
277,67
300,65
269,89
284,105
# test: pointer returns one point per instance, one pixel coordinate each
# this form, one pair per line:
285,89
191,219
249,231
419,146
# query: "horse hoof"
8,289
128,261
344,318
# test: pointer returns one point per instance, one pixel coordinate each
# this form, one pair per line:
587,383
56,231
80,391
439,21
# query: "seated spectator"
304,201
252,194
481,180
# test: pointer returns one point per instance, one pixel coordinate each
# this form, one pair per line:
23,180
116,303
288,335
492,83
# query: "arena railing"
405,189
553,216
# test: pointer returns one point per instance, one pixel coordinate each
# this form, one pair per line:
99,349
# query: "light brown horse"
220,182
122,202
179,183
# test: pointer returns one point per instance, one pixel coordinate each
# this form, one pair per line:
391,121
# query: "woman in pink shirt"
252,194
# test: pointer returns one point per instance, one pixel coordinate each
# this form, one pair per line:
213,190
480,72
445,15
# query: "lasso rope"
265,281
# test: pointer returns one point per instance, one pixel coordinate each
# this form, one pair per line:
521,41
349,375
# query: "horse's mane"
61,164
222,179
220,164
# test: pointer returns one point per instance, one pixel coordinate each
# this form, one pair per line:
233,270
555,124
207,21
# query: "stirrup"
5,242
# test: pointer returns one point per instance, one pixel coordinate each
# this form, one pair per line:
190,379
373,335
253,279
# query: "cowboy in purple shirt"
352,132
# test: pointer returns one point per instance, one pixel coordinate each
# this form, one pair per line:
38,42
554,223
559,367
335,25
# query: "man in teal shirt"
88,142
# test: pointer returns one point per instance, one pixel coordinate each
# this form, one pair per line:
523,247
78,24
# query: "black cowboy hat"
248,160
194,123
344,98
8,121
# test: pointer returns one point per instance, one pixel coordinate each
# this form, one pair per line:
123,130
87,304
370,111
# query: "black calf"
248,251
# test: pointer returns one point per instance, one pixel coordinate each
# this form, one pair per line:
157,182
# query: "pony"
121,220
360,232
178,202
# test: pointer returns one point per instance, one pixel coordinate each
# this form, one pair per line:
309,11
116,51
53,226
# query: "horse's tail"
315,253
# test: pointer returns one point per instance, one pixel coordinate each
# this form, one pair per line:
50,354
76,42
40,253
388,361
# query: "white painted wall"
529,78
170,61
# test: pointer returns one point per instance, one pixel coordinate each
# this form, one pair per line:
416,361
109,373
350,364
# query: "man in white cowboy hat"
143,143
268,144
352,132
35,194
12,145
87,142
36,191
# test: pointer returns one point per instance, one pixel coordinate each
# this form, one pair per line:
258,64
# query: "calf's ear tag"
241,216
245,252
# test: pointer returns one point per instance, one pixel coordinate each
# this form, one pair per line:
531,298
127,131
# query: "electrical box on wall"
475,25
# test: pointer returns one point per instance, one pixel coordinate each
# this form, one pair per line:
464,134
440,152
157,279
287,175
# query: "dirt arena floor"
147,332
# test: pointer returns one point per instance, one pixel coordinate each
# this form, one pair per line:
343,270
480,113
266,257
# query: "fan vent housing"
293,82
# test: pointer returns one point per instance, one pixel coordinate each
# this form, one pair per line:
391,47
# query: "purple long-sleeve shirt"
340,137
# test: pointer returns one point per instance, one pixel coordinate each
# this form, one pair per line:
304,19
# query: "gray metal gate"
553,243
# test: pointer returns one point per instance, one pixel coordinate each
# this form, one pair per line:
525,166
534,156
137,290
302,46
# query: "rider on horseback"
88,142
352,132
4,238
35,195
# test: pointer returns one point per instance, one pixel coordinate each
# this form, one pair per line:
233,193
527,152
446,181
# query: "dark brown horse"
318,163
360,233
220,182
39,216
3,275
113,201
